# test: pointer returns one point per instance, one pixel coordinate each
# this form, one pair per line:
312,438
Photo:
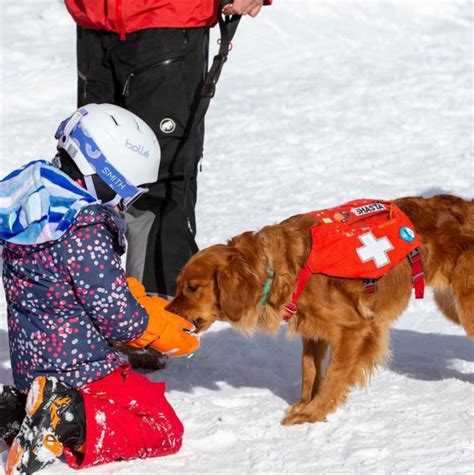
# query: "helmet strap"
114,202
90,185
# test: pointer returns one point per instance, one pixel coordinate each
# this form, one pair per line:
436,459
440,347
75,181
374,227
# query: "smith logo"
140,149
112,178
367,209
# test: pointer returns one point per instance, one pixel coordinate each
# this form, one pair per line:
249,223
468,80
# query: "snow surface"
321,102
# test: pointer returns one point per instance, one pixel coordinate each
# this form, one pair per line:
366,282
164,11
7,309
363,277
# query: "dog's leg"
352,359
311,371
447,304
466,313
457,301
463,289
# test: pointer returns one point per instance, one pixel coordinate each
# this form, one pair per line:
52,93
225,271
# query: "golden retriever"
225,282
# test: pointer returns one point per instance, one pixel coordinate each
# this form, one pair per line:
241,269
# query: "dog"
225,282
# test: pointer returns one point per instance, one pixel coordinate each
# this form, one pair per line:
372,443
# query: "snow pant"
127,416
157,74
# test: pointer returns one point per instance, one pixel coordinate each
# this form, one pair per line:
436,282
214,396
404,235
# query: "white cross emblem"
374,249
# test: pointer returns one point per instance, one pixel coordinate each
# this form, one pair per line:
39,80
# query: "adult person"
150,57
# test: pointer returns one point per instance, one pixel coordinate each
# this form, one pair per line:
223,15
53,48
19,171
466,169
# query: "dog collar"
267,286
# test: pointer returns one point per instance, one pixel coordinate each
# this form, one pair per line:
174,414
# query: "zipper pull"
126,86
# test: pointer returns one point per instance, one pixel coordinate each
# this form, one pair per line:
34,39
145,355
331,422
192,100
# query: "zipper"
84,78
165,62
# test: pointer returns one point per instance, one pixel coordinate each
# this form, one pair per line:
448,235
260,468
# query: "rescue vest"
361,239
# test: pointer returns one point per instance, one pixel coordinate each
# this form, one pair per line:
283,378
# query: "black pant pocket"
157,93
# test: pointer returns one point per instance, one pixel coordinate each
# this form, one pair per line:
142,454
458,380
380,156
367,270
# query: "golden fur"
225,282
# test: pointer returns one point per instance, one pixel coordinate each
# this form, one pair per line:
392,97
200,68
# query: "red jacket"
127,16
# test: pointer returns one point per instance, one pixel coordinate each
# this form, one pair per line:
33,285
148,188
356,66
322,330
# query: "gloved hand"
166,332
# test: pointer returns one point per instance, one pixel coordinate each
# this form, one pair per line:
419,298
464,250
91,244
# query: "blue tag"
407,234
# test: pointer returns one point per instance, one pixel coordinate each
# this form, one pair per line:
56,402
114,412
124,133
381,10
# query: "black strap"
228,26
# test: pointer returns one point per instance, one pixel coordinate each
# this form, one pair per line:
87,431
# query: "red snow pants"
127,416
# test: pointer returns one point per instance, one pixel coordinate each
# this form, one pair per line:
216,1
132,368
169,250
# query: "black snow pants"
157,74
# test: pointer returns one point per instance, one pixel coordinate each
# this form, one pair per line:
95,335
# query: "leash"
228,26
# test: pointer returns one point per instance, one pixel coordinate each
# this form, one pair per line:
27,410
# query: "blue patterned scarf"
39,203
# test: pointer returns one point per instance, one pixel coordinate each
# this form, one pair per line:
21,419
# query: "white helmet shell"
113,143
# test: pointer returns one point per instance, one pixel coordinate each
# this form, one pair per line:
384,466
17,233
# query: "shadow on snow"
273,363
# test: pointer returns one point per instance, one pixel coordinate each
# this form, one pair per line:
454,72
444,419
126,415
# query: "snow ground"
321,102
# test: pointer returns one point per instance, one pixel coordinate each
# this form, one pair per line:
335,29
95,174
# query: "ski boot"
12,411
55,417
145,359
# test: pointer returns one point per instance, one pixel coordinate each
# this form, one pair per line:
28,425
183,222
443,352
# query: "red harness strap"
362,239
292,307
418,276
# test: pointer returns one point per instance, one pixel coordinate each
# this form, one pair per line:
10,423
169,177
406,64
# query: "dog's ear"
237,286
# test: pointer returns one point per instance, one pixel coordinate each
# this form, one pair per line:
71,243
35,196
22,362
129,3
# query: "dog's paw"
302,417
293,419
295,408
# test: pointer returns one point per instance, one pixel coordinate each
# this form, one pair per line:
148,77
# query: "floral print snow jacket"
67,299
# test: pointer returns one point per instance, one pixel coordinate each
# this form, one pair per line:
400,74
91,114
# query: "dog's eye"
197,322
191,288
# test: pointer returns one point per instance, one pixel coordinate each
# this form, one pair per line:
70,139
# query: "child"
68,297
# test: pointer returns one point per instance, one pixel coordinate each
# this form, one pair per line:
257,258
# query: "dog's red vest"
361,239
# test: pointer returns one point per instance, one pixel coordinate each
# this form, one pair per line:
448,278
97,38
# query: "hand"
166,332
243,7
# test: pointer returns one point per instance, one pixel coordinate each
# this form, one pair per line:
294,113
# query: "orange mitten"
166,332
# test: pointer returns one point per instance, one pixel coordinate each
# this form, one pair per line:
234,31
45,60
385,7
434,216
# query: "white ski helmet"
114,144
